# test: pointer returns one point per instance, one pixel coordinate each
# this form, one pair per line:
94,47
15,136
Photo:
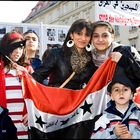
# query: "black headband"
8,49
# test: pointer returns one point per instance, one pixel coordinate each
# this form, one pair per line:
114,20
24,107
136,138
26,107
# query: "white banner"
118,12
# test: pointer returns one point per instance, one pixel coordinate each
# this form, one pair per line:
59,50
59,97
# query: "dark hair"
103,23
76,27
31,31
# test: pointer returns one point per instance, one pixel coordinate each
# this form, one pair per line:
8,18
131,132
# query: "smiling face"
81,39
102,38
121,94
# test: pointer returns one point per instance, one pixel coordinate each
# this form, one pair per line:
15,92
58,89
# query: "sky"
15,11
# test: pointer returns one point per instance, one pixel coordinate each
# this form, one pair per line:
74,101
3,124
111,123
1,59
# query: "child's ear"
111,97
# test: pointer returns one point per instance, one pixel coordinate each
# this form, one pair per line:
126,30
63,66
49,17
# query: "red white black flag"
66,113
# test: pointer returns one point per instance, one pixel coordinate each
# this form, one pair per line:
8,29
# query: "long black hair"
76,27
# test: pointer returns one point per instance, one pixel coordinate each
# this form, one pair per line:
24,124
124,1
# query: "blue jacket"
8,131
108,119
35,62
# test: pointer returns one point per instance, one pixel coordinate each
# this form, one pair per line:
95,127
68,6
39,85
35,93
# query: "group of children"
120,120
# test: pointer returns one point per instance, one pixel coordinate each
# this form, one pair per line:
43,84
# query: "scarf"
79,62
98,58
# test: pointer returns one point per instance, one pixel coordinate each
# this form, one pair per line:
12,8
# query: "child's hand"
120,129
127,135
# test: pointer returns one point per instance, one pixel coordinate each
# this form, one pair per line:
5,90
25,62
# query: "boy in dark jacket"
7,129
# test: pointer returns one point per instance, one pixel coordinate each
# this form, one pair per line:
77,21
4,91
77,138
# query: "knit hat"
121,77
10,41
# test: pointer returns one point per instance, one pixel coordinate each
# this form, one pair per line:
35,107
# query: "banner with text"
118,12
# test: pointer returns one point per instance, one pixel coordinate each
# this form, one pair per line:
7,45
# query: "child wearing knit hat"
122,118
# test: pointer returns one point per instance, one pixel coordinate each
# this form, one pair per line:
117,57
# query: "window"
66,8
116,28
86,14
76,4
133,42
132,28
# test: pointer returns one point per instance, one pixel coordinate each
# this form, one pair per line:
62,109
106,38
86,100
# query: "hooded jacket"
104,126
8,130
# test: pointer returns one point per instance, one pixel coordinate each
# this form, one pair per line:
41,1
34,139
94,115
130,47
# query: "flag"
65,113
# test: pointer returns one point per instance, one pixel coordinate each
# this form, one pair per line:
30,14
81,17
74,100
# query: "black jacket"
58,67
130,62
8,131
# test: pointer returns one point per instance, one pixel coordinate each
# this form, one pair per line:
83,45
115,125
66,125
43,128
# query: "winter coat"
8,131
130,62
58,67
105,124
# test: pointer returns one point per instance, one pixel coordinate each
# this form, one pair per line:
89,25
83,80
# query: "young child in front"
121,120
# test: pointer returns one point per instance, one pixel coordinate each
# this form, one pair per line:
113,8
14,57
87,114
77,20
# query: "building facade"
66,12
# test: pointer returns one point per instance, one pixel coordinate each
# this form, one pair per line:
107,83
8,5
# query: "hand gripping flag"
66,113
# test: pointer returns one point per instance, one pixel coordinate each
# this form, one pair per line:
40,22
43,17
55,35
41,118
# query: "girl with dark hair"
11,49
127,57
31,48
74,57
